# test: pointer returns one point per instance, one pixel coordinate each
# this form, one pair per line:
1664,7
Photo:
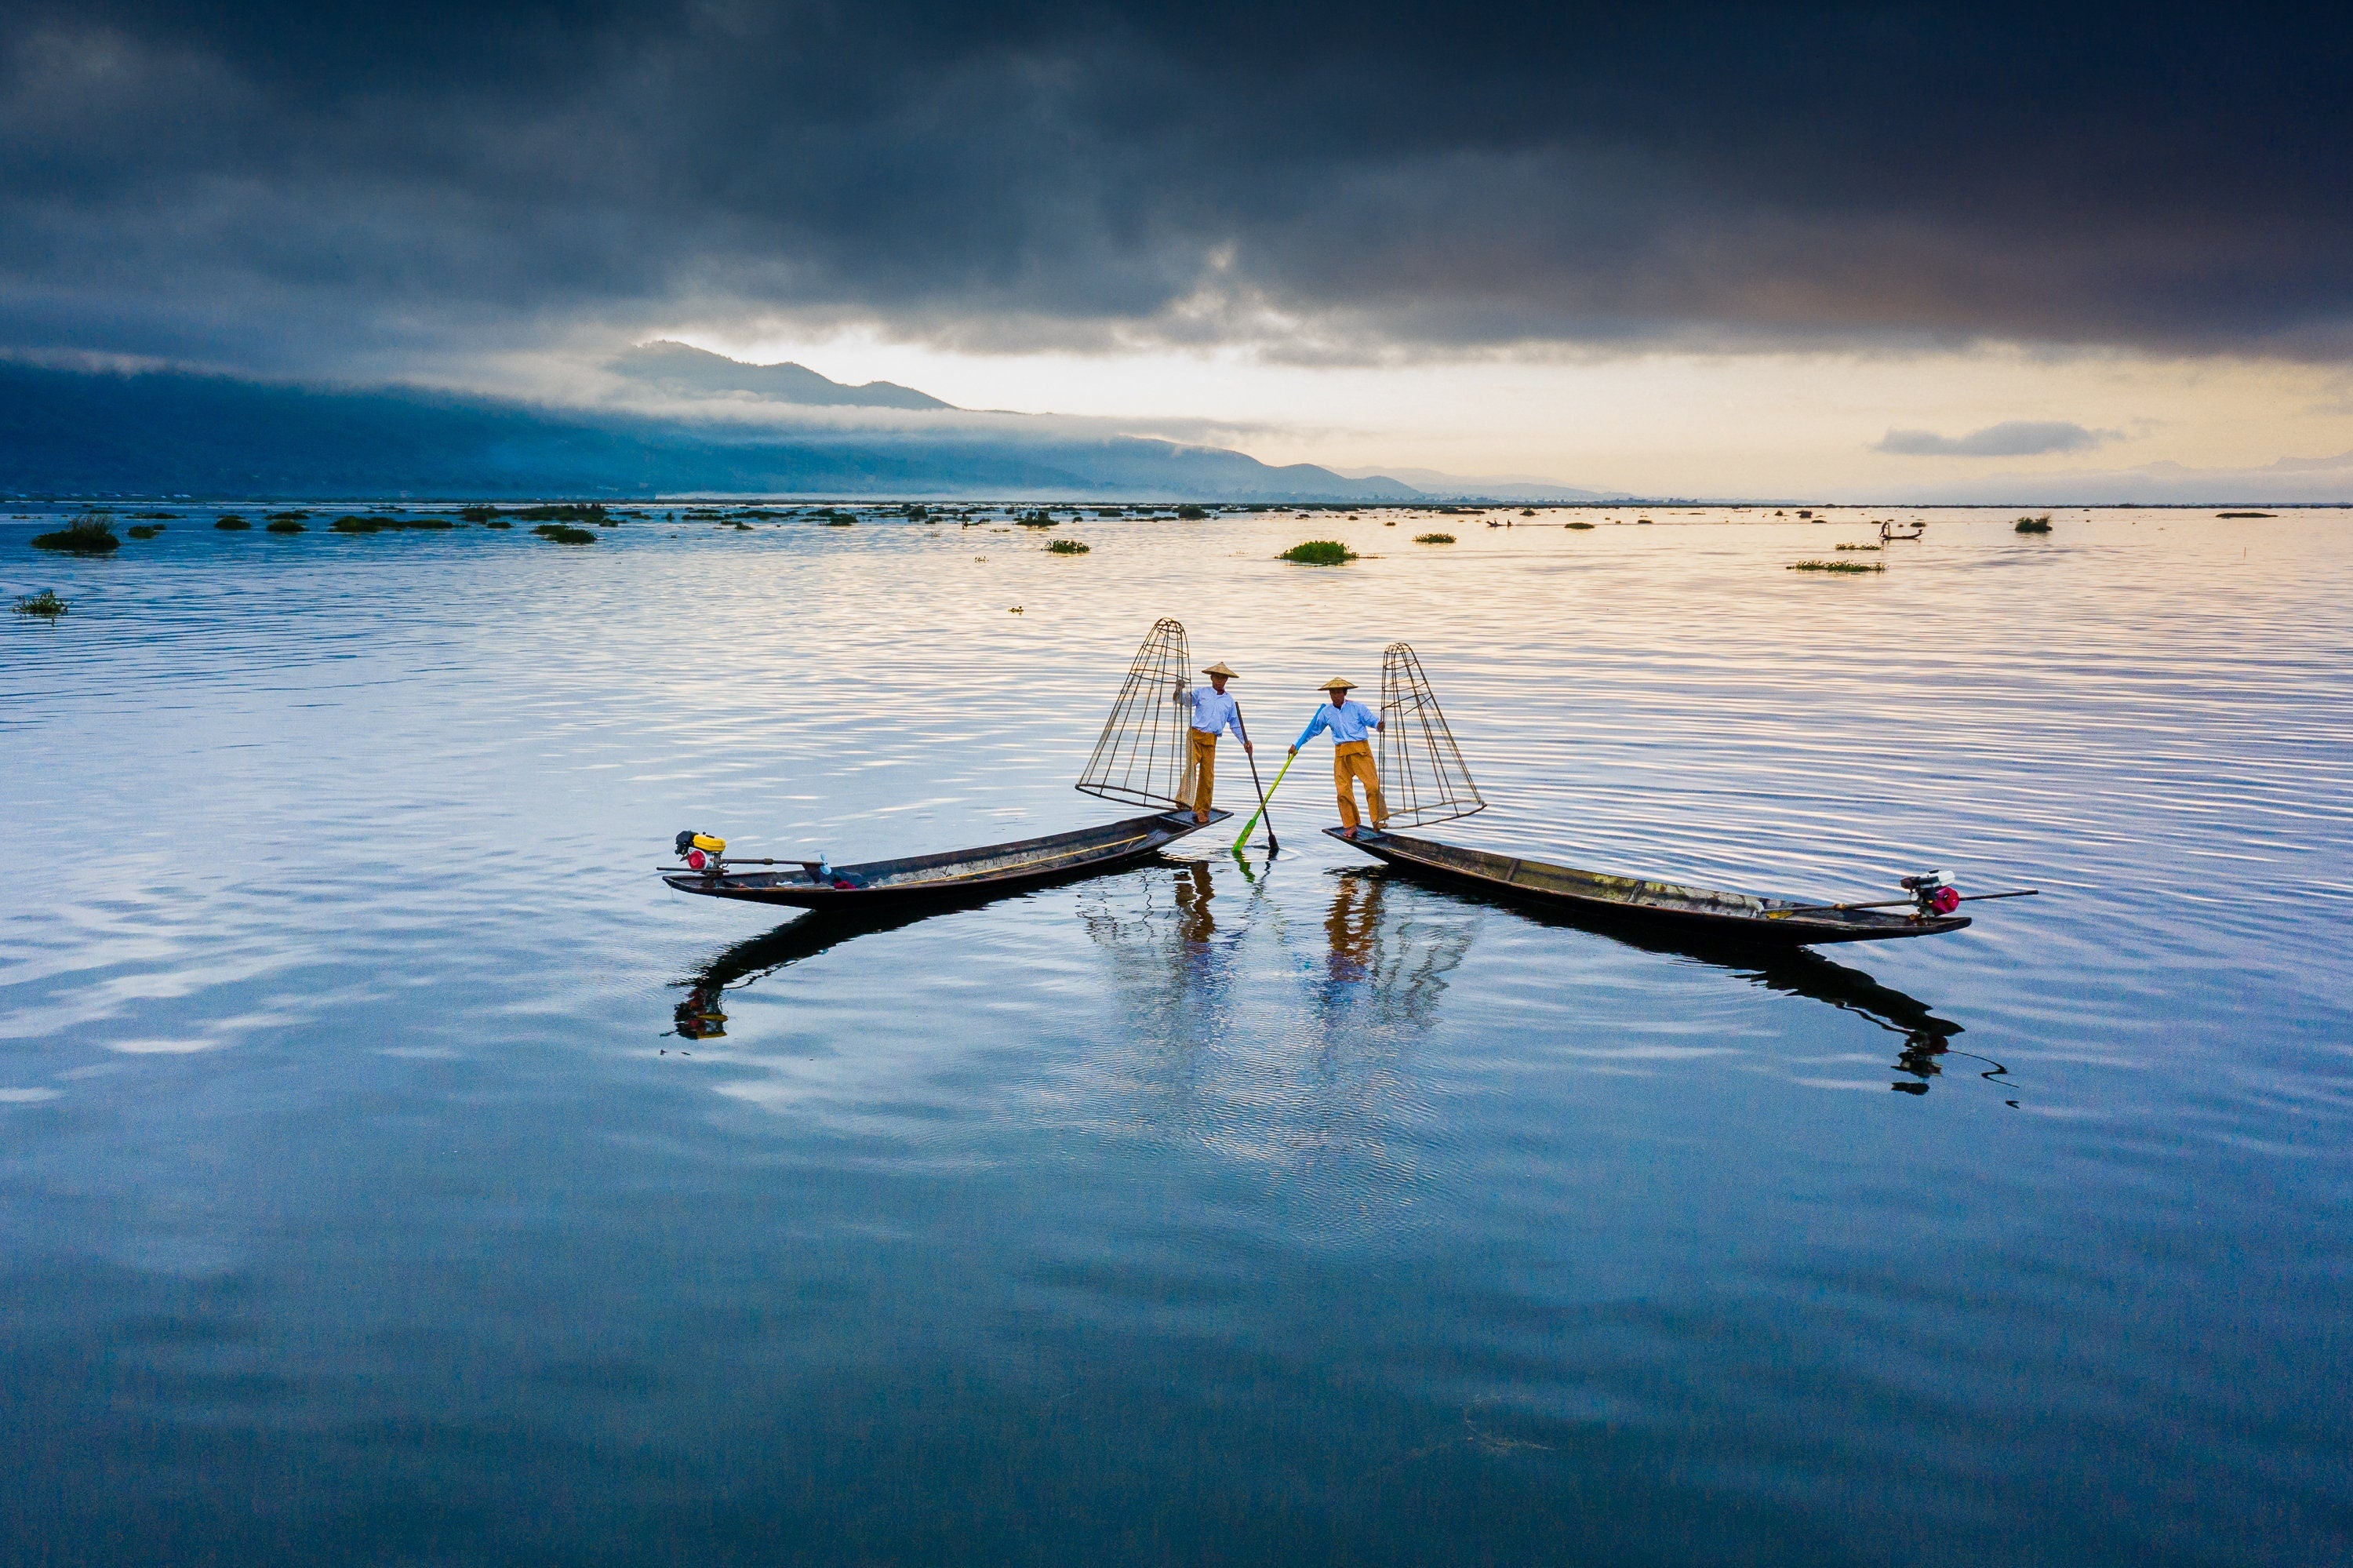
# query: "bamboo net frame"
1141,756
1423,776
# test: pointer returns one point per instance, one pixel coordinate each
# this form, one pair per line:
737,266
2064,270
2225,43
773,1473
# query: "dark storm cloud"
328,188
2011,438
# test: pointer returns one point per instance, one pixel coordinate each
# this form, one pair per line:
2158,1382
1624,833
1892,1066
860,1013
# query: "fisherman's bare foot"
1199,818
1347,832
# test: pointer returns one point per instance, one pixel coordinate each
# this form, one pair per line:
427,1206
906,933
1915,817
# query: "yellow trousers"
1353,760
1205,766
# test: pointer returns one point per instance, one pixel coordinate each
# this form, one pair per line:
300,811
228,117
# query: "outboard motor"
701,852
1933,893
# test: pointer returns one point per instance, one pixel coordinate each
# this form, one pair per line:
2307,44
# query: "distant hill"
682,367
1516,487
168,433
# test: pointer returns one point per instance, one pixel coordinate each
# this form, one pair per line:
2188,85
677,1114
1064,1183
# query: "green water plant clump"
498,522
836,519
354,526
1039,518
1433,538
230,523
478,514
564,534
2034,524
1587,525
285,526
145,515
88,535
145,530
1841,567
2246,514
1192,514
287,516
565,511
1065,548
1859,546
1320,552
45,604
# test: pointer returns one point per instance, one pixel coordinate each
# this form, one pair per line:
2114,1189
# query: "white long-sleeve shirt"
1214,710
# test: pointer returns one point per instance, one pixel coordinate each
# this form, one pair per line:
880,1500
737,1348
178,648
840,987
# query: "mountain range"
167,432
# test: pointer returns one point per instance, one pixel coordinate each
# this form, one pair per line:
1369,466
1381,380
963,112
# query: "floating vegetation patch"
45,604
287,516
741,527
836,519
2246,514
230,523
144,530
86,535
1861,546
1527,510
567,512
1433,538
563,533
1841,567
498,522
166,515
1320,552
286,526
388,524
2034,524
1192,514
1577,524
480,514
1065,548
1039,519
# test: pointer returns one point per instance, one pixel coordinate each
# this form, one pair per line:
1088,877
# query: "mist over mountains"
76,432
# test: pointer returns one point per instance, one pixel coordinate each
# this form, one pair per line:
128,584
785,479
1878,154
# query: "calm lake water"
359,1200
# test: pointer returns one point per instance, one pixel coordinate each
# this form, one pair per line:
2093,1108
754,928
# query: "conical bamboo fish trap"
1423,778
1141,756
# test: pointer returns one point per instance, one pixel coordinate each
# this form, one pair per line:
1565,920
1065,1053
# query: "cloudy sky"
1730,249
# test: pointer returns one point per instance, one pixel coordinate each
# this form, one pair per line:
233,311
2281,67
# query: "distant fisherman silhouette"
1212,710
1351,723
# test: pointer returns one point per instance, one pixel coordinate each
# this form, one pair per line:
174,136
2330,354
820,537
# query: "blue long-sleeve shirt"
1350,721
1214,710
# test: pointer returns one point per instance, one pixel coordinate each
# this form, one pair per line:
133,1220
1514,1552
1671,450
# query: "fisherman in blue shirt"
1213,711
1352,725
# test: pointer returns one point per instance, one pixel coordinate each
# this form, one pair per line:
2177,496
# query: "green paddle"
1263,800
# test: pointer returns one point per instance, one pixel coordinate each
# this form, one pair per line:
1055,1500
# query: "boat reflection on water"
702,1013
1796,971
1178,946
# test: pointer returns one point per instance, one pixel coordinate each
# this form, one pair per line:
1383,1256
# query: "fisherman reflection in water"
1195,888
1212,710
1352,725
1353,924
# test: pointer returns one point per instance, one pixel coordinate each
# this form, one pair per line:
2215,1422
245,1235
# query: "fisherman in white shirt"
1213,711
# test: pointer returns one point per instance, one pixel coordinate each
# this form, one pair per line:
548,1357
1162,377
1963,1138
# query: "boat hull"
953,876
1661,907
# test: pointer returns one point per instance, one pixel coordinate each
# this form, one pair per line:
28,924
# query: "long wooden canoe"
954,875
1663,906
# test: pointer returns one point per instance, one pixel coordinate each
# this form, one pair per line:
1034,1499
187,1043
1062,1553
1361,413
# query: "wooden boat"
1694,913
1909,530
956,876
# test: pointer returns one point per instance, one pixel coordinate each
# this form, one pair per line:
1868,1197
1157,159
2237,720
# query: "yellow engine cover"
708,844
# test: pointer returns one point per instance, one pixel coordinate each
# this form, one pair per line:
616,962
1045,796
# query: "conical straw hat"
1220,669
1337,684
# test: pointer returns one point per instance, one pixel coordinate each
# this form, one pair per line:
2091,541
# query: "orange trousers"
1204,765
1353,760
